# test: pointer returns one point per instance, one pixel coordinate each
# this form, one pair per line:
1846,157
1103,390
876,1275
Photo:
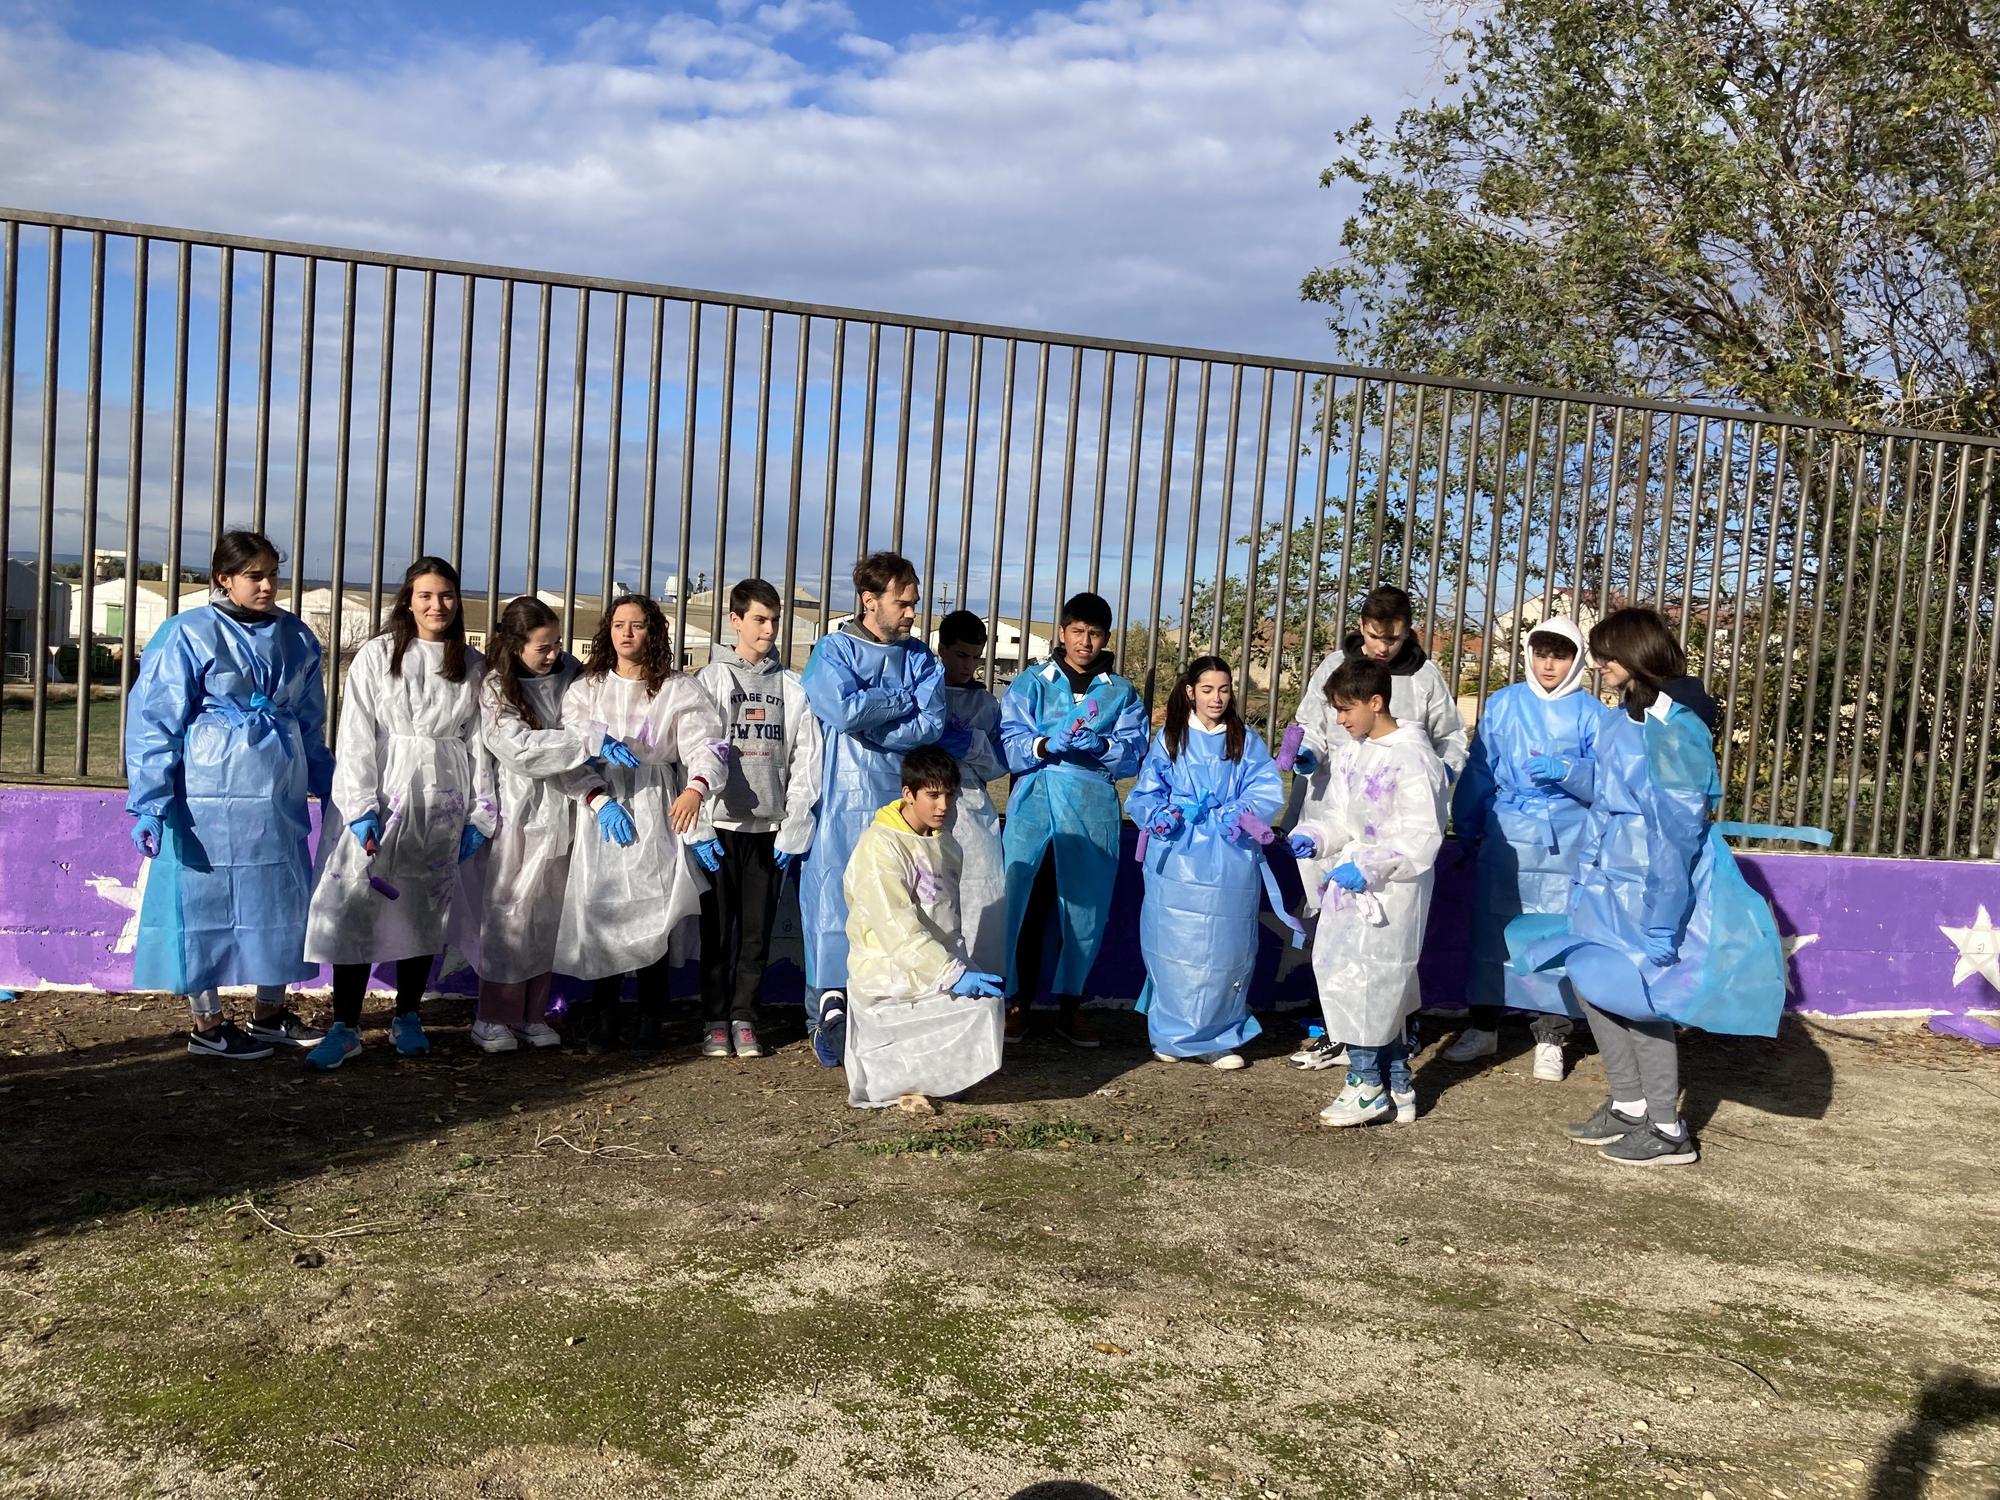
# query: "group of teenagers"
613,819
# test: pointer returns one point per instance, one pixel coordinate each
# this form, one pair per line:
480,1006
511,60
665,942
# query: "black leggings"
350,983
651,985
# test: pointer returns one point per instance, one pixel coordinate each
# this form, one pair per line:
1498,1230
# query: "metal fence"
1834,586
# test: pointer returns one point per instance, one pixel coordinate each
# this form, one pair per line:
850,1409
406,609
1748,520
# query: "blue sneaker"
829,1039
407,1032
340,1043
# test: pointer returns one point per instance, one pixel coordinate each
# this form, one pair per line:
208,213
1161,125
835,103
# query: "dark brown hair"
1552,643
754,591
930,768
659,656
1180,708
1359,678
402,626
961,626
1640,641
878,572
236,550
1387,604
521,618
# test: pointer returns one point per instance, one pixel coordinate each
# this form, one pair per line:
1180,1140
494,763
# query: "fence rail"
1835,586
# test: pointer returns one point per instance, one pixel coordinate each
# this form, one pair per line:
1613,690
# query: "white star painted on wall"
1978,950
130,897
1793,942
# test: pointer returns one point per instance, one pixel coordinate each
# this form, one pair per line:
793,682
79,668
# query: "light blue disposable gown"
1650,858
1068,803
875,703
224,738
1198,927
1529,832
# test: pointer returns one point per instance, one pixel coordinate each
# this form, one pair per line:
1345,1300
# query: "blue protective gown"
1529,832
875,704
1198,927
1650,858
224,738
1068,804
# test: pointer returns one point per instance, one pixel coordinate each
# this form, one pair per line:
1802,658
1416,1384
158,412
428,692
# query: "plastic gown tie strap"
255,711
1820,836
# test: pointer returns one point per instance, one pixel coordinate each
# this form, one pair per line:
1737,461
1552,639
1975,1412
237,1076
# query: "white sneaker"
1358,1104
1165,1057
1406,1106
539,1035
492,1036
1228,1062
1473,1043
1549,1062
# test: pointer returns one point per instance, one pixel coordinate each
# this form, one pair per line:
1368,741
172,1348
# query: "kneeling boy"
919,1020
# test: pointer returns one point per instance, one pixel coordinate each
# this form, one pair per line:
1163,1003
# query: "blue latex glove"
618,753
1305,763
709,852
1302,845
784,859
1349,878
615,825
973,985
1547,768
955,741
470,842
368,829
1663,946
1166,823
1076,738
146,833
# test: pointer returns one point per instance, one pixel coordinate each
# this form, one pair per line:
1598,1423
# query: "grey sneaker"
715,1041
1649,1146
1602,1128
743,1037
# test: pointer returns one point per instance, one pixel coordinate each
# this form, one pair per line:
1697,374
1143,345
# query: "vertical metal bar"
177,449
1075,410
1894,663
614,452
1943,657
579,389
725,445
1533,458
760,465
46,528
10,281
420,490
654,369
1886,464
1223,519
1667,497
1760,649
1559,476
462,441
1153,618
1000,508
1696,504
1984,760
1961,722
796,489
1105,389
1611,492
1410,492
539,444
690,431
502,379
1500,475
1739,623
93,421
831,505
1785,689
343,443
1308,646
302,449
1815,640
870,400
1437,512
1586,487
225,303
1837,690
1262,471
1709,666
135,467
1121,619
383,411
1380,523
260,494
936,488
1918,660
1641,503
964,576
903,437
1285,552
1195,482
1341,602
1034,505
1462,589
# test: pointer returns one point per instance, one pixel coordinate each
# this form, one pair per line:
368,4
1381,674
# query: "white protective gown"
1419,699
906,1032
975,826
624,907
1384,812
409,748
506,926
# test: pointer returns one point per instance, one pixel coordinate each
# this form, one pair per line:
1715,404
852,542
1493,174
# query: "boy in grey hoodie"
763,814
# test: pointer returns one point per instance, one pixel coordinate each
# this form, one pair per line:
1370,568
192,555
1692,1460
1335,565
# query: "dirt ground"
557,1276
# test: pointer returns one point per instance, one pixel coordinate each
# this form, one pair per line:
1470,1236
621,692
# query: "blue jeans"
1367,1064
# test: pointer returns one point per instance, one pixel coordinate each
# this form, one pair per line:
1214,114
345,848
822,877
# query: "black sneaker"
1650,1146
284,1029
227,1041
1604,1127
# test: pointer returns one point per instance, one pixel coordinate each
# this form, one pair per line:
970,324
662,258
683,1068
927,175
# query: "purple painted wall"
1866,934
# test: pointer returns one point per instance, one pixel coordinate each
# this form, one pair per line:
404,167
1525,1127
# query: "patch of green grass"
984,1133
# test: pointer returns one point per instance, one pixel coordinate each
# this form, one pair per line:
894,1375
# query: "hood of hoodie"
890,816
1690,694
1079,682
1572,680
1409,656
733,659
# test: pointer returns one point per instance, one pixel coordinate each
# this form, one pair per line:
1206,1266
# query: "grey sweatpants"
1641,1061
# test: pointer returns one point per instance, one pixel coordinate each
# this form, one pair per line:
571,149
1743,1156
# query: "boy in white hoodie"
763,815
